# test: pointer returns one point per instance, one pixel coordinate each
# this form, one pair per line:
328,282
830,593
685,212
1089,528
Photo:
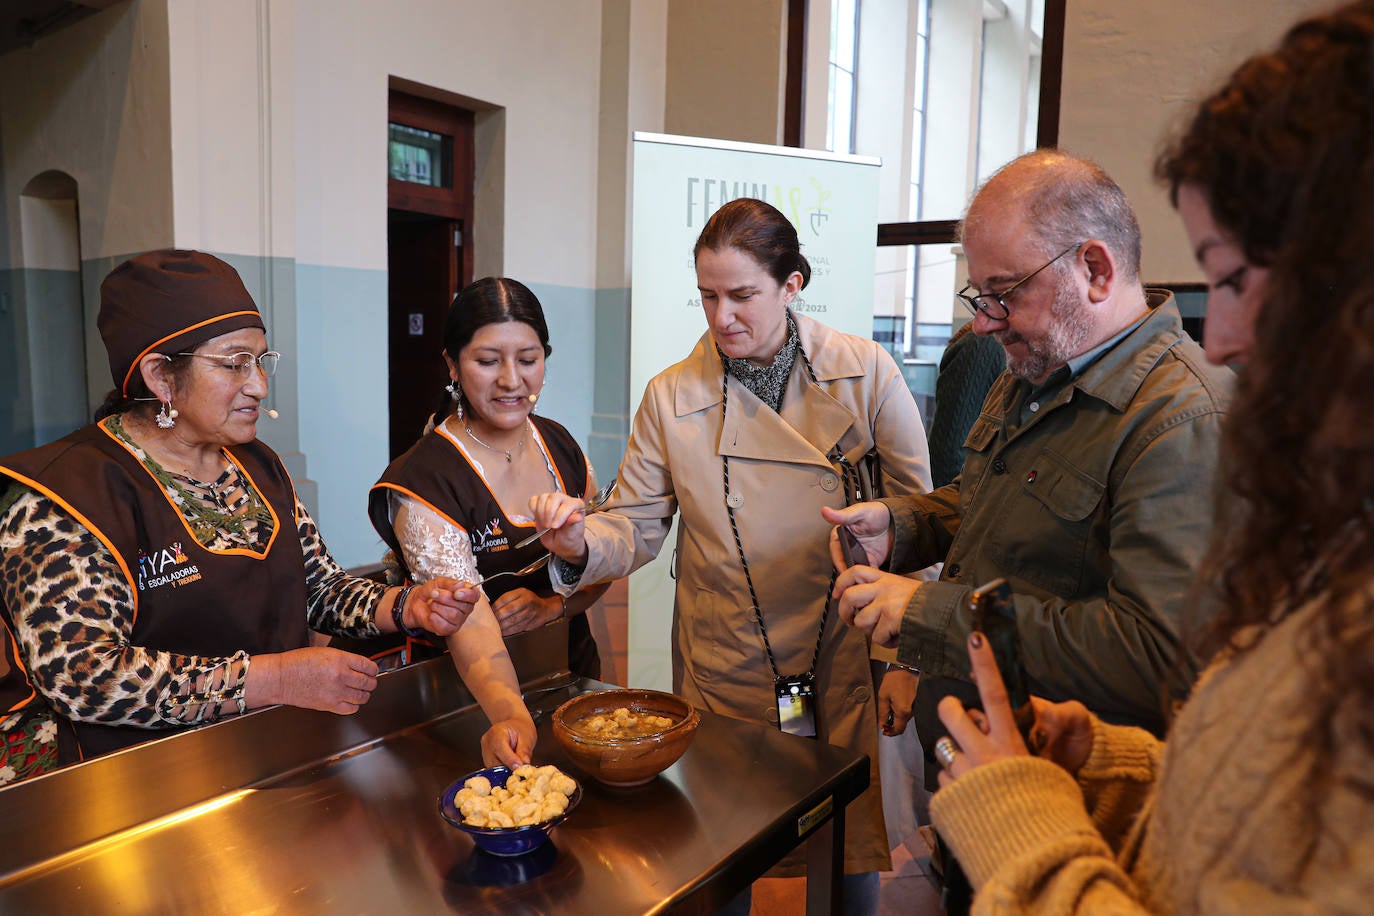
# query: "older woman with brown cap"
151,579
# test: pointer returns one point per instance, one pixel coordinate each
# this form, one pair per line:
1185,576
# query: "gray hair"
1066,200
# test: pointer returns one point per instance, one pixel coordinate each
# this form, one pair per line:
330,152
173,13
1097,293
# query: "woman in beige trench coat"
807,396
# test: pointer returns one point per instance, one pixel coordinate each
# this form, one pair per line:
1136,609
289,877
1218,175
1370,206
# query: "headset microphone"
272,412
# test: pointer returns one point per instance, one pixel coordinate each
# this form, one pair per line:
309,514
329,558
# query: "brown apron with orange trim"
188,600
437,473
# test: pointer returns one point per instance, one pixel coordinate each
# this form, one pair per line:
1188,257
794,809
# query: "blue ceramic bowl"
501,841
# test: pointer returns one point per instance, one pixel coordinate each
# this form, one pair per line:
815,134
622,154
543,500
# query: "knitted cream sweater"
1229,817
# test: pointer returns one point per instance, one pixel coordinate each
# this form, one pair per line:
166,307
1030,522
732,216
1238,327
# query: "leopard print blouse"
75,624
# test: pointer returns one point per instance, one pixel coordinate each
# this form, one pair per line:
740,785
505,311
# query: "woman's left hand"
520,609
896,700
983,737
509,742
440,606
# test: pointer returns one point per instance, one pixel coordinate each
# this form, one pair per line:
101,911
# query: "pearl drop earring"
167,416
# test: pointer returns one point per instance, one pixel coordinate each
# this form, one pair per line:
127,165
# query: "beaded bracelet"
398,614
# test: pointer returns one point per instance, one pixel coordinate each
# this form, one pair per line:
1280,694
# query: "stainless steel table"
293,811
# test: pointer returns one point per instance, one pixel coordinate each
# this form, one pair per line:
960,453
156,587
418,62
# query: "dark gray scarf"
767,382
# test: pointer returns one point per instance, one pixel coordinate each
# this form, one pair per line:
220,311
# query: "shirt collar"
1161,319
1077,364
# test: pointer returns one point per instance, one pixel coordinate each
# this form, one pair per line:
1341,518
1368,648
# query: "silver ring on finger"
945,749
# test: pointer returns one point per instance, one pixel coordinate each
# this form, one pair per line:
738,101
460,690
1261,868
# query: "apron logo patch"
490,538
165,566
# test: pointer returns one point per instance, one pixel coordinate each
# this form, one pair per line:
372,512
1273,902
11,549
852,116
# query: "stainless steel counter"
293,811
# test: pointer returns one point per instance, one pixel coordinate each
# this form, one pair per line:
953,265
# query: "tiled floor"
906,889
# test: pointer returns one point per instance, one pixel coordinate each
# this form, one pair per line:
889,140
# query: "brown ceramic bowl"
626,761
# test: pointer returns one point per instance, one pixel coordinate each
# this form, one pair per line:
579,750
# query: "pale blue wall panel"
611,401
567,396
342,350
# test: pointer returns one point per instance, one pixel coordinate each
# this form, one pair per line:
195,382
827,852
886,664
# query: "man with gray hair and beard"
1087,478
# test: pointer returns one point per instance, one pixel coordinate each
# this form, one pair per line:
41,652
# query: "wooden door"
422,264
427,261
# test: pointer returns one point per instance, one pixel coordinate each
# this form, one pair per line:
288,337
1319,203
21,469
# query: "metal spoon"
596,502
522,571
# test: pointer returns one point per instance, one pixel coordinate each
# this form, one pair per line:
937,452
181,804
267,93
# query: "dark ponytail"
759,230
114,403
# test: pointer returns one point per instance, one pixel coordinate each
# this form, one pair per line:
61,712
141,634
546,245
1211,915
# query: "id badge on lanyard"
796,696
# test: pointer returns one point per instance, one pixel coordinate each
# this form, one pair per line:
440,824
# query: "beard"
1068,330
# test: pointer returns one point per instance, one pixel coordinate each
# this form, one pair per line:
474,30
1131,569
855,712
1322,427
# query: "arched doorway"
43,357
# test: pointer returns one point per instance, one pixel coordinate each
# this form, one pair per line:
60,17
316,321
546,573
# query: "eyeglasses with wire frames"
243,361
991,304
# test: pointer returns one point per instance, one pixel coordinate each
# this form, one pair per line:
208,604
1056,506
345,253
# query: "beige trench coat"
780,478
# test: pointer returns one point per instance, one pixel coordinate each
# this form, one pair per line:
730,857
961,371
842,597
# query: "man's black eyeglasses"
994,304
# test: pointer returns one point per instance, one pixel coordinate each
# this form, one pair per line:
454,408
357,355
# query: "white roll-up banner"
679,182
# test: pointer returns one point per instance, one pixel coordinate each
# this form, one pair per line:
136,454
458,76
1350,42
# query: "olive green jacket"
1096,510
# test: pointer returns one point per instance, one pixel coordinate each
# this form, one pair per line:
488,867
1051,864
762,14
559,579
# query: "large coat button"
862,693
734,500
829,482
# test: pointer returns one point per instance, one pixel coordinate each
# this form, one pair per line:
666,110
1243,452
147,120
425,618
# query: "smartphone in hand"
850,548
994,616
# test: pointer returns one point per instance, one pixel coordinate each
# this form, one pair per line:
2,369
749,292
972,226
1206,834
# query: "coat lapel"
810,425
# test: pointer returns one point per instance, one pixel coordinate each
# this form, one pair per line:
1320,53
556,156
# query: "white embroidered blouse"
431,545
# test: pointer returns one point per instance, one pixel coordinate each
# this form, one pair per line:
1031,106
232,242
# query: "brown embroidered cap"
168,301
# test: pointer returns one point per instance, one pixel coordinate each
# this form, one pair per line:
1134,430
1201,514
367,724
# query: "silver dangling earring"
167,416
455,391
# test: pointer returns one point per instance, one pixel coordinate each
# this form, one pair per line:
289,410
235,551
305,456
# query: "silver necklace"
509,453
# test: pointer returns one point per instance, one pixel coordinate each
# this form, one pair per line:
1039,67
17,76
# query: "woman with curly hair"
1262,800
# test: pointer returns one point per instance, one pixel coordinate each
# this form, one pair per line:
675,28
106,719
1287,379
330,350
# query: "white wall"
1006,82
231,99
816,74
1132,69
633,73
91,101
231,86
537,60
257,130
275,157
726,69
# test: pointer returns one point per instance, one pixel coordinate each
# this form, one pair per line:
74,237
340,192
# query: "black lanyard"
851,479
